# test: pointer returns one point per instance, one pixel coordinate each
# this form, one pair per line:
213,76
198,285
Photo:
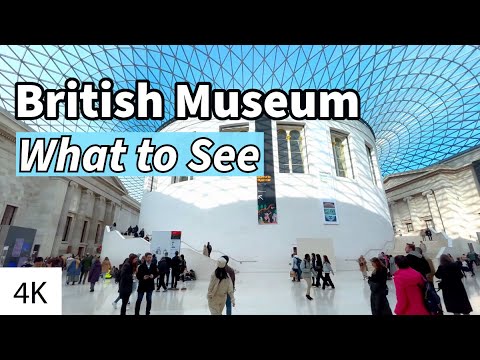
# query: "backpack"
432,300
299,262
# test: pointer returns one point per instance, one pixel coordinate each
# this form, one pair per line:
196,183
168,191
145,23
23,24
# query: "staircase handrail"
221,252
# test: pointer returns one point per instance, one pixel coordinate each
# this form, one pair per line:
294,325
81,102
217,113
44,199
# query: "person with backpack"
296,261
410,289
416,260
307,273
327,269
454,294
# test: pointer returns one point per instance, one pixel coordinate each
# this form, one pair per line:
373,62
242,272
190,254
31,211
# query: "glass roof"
421,101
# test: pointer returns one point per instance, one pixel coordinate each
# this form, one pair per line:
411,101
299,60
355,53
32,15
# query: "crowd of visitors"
312,269
414,276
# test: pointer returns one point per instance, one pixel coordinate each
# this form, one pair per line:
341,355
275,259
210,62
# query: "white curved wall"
223,210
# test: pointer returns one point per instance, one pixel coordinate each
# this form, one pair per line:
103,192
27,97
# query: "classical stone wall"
45,203
446,193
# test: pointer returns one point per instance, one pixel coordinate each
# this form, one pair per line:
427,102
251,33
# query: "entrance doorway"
81,249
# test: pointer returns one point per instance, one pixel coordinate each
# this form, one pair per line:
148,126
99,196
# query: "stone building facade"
444,196
69,213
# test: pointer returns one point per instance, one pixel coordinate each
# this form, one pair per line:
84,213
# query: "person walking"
94,273
175,271
220,286
410,287
129,269
146,274
307,273
117,280
327,269
319,270
471,256
428,233
73,269
86,264
209,248
416,261
231,274
423,247
106,266
164,272
205,250
183,270
453,290
422,234
379,289
362,262
313,261
296,261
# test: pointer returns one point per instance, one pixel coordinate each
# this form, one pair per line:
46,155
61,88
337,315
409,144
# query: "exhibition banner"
330,215
266,195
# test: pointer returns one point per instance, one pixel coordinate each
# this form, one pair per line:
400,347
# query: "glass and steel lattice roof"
421,101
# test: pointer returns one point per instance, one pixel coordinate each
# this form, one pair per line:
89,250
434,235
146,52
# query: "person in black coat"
379,290
318,269
164,266
454,293
176,262
146,274
125,286
416,260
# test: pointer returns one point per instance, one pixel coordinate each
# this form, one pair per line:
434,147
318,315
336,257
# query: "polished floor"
257,294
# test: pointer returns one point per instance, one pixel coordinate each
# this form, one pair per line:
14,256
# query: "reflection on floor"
257,294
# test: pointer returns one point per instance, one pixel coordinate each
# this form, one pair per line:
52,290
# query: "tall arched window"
290,150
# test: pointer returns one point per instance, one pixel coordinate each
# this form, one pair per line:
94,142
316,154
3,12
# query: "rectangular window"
8,215
409,227
341,155
97,234
67,229
244,127
177,179
291,149
84,231
429,224
370,164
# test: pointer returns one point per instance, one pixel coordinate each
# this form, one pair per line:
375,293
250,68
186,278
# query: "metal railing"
221,252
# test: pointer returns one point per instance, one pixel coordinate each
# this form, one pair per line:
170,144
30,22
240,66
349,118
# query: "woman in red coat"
409,286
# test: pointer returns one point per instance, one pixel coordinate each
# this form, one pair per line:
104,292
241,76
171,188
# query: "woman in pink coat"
409,286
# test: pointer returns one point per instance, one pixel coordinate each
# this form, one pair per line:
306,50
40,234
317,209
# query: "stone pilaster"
434,210
58,247
451,211
50,201
396,221
412,212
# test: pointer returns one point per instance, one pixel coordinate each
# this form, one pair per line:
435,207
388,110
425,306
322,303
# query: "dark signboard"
266,196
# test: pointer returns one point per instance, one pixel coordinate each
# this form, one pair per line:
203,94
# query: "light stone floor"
257,294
